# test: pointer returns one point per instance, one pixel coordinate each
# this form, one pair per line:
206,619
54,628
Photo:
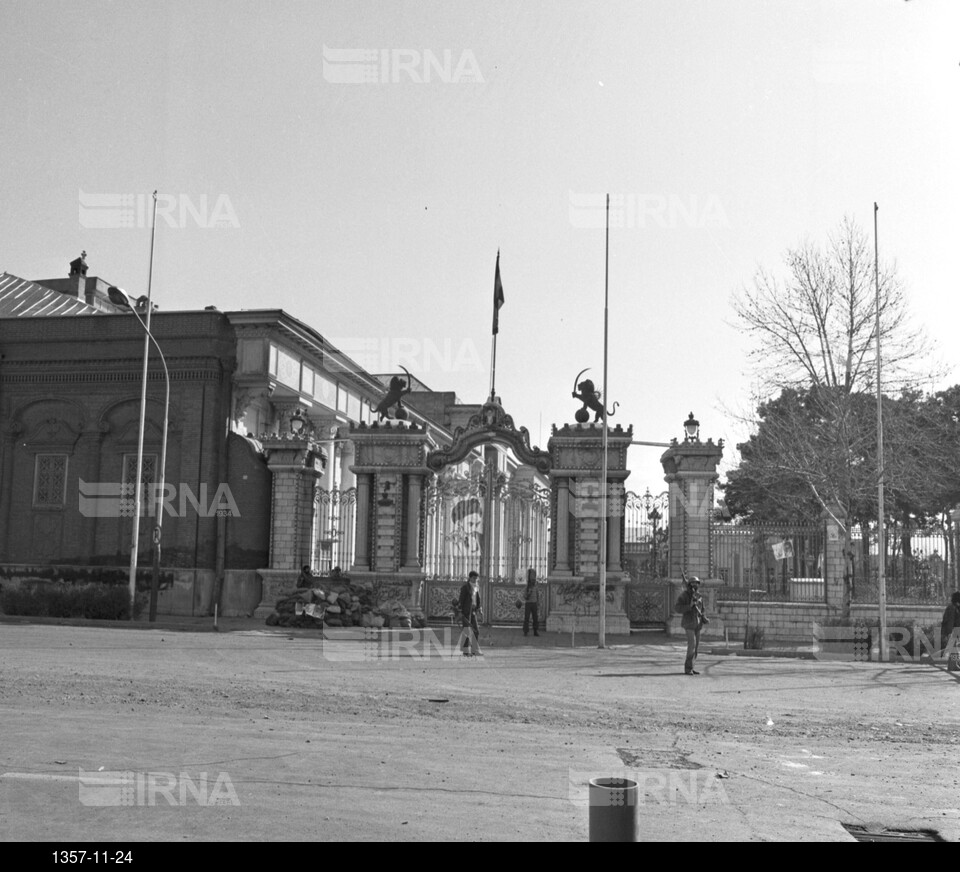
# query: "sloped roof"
20,298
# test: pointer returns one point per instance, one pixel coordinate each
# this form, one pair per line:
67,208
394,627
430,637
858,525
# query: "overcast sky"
358,164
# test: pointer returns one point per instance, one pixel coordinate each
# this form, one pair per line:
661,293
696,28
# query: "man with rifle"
690,606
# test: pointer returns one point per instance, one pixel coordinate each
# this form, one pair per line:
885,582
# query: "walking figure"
531,606
471,614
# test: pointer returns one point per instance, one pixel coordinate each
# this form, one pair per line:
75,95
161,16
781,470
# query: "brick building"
70,383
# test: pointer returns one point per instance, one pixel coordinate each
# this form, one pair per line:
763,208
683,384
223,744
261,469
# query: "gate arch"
490,424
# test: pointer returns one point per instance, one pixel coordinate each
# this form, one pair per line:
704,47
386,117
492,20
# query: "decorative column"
615,502
389,464
361,560
413,561
576,453
560,563
690,469
296,462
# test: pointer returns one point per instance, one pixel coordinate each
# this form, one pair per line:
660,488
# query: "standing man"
531,606
949,627
690,606
471,614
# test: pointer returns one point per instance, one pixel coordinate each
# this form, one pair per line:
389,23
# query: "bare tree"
815,451
814,447
816,328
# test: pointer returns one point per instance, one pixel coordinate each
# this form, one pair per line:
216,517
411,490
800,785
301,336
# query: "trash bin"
613,810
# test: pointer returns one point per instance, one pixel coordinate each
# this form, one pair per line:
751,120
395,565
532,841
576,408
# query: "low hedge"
109,602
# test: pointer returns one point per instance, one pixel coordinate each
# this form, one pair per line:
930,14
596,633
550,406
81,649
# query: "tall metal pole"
881,525
138,486
601,643
158,522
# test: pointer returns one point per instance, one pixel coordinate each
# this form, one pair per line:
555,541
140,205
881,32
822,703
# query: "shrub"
95,601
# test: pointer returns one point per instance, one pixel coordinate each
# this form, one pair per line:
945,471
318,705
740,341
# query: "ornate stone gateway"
487,519
577,503
415,499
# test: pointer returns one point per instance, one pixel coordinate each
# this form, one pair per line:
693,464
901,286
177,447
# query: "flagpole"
497,303
601,643
493,366
881,527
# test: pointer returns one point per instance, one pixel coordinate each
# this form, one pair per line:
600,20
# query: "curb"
171,626
741,652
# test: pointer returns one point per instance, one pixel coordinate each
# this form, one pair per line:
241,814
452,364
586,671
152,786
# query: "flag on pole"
497,297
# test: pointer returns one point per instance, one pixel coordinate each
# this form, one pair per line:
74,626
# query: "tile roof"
20,298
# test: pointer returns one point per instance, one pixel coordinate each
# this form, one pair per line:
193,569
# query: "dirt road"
268,735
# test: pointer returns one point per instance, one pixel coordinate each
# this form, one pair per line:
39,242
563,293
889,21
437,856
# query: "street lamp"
296,422
121,298
692,429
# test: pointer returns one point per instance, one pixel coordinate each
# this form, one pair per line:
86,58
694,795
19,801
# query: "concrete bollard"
613,810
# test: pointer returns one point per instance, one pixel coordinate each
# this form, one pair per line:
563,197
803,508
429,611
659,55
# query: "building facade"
71,373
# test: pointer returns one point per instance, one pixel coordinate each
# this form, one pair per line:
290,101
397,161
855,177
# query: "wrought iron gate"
335,529
514,539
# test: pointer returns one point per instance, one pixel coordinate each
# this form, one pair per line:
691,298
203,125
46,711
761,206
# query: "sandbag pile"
352,605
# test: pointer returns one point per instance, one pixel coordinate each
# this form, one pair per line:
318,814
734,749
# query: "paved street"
255,733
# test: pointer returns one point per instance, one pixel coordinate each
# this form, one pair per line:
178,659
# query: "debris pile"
352,605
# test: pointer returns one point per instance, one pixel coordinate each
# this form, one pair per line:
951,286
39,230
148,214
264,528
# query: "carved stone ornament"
404,454
490,424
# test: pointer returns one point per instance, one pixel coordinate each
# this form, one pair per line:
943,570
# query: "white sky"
730,131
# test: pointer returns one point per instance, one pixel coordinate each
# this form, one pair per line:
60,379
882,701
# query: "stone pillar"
690,469
576,453
836,559
561,565
615,502
413,563
347,477
389,463
296,463
361,560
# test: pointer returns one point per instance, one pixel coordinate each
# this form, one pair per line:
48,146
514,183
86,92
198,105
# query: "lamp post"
122,298
691,429
297,423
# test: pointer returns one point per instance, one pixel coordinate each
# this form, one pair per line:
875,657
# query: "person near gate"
692,619
471,614
950,632
530,604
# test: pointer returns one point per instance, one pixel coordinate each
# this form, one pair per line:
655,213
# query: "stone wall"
793,622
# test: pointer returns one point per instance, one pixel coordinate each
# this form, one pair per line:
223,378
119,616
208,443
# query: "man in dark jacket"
950,627
530,603
470,615
690,606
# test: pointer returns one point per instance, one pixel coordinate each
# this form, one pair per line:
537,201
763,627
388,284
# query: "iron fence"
775,562
920,565
785,563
